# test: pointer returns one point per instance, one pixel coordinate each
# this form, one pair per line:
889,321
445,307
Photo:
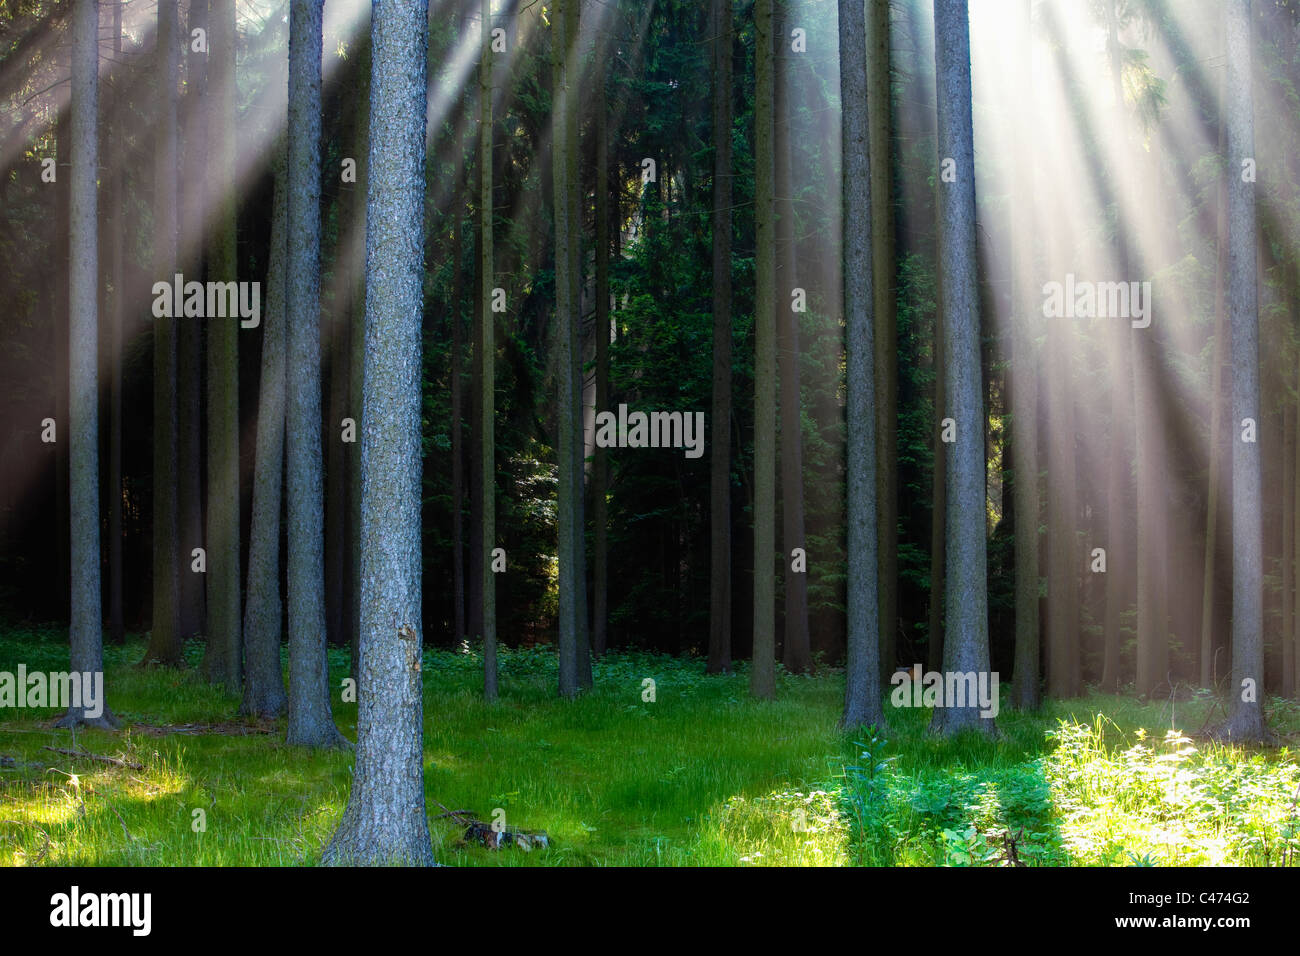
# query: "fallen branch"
115,761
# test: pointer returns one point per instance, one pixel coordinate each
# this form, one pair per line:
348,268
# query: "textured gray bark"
880,109
862,671
224,657
569,529
573,191
720,433
487,370
310,721
264,694
966,639
165,637
385,819
85,635
762,676
1247,719
1026,688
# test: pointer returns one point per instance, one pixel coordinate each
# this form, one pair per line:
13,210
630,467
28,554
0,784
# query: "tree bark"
385,819
862,672
486,446
880,108
165,637
762,682
85,634
264,694
223,661
310,720
1246,685
719,661
966,645
796,647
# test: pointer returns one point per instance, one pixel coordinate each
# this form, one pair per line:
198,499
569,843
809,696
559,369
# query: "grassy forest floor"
701,775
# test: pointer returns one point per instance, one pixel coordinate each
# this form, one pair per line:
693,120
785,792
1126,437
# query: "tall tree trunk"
573,194
938,499
1026,687
880,108
862,678
117,309
310,721
720,454
85,635
62,382
486,362
165,637
1294,635
762,678
457,419
966,644
189,365
385,818
223,662
357,357
264,694
566,364
600,458
1246,685
796,647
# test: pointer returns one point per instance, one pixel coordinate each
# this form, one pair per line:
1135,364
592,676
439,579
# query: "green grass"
701,775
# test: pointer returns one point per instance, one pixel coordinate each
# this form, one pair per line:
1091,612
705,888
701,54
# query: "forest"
650,433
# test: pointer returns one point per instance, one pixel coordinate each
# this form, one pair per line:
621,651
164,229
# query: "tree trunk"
1246,684
862,672
966,644
223,661
165,638
762,681
457,420
264,694
568,514
189,371
796,648
385,818
600,458
117,309
720,454
486,446
310,721
880,108
85,635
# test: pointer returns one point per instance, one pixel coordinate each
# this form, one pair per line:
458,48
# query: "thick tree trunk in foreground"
862,672
85,634
385,819
966,644
1246,684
